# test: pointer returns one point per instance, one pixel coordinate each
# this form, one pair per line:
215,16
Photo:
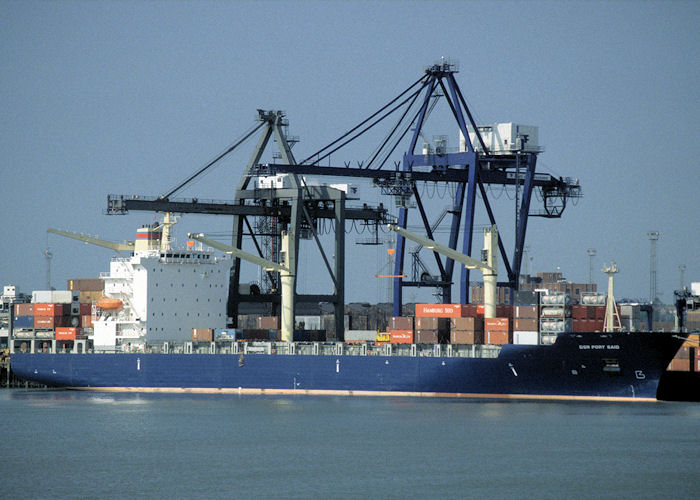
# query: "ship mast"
612,317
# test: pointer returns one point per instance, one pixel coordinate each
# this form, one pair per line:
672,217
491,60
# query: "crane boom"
113,245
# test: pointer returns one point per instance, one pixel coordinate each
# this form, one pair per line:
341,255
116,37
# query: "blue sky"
132,97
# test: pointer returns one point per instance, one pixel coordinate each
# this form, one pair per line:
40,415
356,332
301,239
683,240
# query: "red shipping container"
480,309
67,333
85,309
497,337
466,337
426,337
202,334
24,309
86,321
579,312
440,310
402,323
526,312
525,324
50,309
268,322
51,321
467,324
504,311
497,324
401,337
427,323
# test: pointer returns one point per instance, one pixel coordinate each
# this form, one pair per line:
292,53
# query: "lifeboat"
109,304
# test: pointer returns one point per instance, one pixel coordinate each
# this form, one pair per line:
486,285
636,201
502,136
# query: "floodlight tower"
653,238
591,253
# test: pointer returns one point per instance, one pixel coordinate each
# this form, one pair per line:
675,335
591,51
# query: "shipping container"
86,321
86,285
67,332
85,308
467,324
202,334
55,296
23,334
50,309
440,310
497,337
308,322
24,309
23,322
267,322
427,323
497,324
426,337
224,334
526,312
525,324
679,365
554,312
401,323
525,338
44,334
467,337
51,321
401,336
360,335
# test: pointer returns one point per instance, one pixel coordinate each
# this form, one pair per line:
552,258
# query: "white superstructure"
504,138
163,293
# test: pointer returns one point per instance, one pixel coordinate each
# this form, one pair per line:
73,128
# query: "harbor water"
66,444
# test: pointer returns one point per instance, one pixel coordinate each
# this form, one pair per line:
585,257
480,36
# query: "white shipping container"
695,288
53,296
525,338
360,335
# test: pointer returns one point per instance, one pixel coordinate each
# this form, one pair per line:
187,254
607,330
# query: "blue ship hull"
578,366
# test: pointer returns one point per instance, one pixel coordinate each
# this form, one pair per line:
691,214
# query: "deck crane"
472,169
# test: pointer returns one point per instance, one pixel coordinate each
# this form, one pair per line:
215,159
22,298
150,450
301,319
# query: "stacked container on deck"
401,330
525,325
555,316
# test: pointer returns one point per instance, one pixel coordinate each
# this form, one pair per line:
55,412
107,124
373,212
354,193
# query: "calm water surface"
64,444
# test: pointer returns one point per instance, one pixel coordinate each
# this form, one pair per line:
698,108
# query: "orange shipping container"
497,337
67,332
49,309
480,309
202,334
440,310
497,324
401,337
85,308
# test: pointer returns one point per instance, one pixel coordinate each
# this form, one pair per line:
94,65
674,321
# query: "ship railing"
327,349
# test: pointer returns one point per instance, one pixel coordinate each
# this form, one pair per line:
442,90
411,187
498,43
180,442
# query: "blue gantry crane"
484,159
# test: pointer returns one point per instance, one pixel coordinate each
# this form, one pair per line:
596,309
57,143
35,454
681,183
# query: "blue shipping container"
23,322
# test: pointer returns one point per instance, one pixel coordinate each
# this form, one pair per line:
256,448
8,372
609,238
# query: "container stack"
525,325
401,330
467,330
555,316
688,356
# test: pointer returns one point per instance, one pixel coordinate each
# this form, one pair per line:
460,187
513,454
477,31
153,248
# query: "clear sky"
132,97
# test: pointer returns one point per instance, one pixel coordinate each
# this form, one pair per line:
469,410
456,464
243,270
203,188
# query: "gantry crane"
472,169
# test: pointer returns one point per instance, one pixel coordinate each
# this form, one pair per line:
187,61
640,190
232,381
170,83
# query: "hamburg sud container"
68,333
441,310
401,336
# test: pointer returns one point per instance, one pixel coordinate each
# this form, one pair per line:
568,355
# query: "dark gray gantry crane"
295,209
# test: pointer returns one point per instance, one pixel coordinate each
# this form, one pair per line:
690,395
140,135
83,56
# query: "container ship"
161,327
